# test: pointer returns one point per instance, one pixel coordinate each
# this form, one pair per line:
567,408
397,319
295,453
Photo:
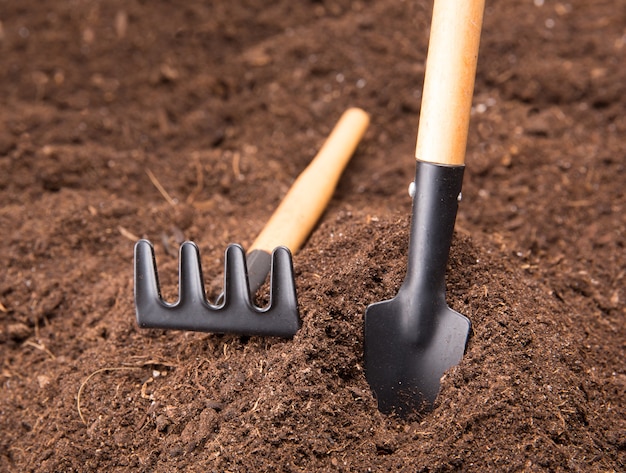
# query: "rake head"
235,313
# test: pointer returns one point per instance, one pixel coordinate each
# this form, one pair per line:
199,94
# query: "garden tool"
412,339
287,229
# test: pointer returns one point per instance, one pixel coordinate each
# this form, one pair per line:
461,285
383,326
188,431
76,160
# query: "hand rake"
287,229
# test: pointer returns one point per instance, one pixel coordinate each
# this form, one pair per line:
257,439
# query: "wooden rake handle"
307,198
449,81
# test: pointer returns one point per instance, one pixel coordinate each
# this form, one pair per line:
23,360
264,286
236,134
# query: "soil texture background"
223,104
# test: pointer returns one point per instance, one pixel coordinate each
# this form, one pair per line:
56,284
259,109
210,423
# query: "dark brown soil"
225,103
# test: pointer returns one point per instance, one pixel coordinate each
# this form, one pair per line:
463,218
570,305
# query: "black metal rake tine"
282,286
147,287
190,281
236,288
237,314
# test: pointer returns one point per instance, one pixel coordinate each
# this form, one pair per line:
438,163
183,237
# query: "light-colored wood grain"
307,198
449,81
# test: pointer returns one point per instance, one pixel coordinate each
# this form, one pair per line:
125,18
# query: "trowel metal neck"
435,203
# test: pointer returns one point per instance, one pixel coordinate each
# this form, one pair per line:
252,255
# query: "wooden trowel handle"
449,81
307,198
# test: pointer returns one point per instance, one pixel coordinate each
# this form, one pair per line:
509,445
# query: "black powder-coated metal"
412,339
235,312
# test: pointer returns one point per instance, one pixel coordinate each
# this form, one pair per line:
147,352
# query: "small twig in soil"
39,347
84,383
121,23
3,308
126,234
199,179
160,188
144,390
256,404
236,166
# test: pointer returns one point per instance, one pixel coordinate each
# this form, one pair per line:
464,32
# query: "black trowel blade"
404,370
